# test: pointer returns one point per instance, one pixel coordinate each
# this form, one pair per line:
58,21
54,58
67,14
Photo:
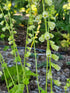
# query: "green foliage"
68,63
6,48
17,89
13,72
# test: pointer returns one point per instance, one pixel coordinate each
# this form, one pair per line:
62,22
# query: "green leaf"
26,81
17,89
5,48
68,63
4,65
10,85
2,35
42,90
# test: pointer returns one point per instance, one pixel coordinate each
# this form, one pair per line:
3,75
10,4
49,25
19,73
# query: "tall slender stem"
36,66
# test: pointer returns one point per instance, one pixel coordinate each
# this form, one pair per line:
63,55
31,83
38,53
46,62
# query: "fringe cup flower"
2,22
49,75
49,2
45,14
37,19
48,53
4,29
51,25
55,57
54,47
41,38
47,36
57,82
55,66
31,27
51,35
52,42
28,64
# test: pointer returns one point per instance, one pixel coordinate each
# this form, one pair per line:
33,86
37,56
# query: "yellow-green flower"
48,53
41,38
47,36
49,2
45,14
51,25
54,47
2,22
37,19
55,57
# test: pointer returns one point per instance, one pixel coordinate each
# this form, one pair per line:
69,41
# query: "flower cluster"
67,6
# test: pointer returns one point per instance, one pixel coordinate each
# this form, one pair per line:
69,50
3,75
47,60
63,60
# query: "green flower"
31,27
10,38
55,57
27,68
13,52
10,42
55,66
27,54
38,18
4,29
49,2
51,25
2,22
48,53
41,38
52,42
45,14
54,47
47,36
28,64
57,82
65,87
49,75
51,35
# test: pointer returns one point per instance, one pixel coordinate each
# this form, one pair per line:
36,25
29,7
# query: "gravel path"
61,75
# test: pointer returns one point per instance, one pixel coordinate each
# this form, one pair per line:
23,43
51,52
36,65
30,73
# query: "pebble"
61,75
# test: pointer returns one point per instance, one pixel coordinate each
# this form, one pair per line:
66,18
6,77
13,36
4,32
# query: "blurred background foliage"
18,10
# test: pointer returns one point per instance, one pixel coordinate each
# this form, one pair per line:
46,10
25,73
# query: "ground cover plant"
17,81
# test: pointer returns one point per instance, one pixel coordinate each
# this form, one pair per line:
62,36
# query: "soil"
61,75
